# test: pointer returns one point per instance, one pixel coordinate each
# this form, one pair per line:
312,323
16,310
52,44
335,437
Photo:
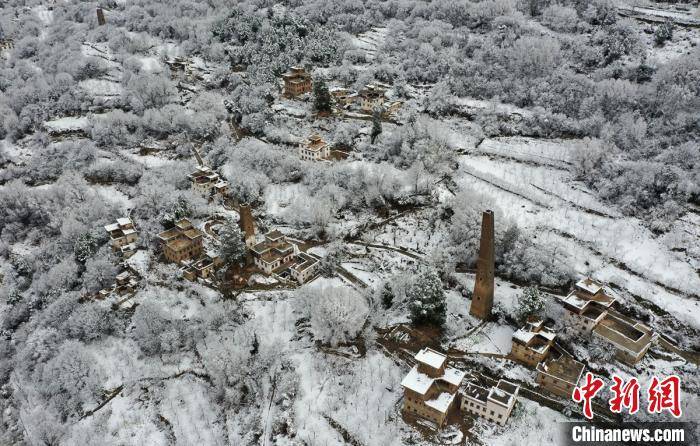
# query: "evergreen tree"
427,299
376,124
322,97
530,303
233,248
663,33
387,296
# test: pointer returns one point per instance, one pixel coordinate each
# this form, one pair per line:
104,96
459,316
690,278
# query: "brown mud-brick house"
343,97
181,242
296,82
123,236
207,182
274,253
560,373
532,343
630,339
494,404
587,305
181,69
125,283
371,97
204,267
430,388
314,149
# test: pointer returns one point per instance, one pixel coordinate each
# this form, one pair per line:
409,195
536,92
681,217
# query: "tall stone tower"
482,300
101,17
247,225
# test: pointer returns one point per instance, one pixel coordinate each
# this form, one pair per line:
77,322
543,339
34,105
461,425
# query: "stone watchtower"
482,300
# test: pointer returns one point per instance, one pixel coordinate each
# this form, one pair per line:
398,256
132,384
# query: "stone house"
204,267
560,373
587,305
274,253
123,236
630,339
531,344
314,149
494,404
303,268
371,97
207,182
343,97
181,242
430,388
296,82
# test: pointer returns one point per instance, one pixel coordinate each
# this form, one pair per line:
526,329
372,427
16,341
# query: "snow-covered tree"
530,304
322,97
233,248
337,313
426,299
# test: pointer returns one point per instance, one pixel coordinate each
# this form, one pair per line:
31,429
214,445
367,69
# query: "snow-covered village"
369,222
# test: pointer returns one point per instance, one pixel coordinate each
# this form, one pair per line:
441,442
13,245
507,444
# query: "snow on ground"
279,196
67,124
492,106
492,338
101,87
549,212
370,42
529,423
191,412
113,195
140,261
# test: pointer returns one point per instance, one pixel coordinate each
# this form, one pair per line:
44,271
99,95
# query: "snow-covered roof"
575,301
417,381
442,402
430,357
548,335
112,227
503,393
124,221
523,336
589,285
453,376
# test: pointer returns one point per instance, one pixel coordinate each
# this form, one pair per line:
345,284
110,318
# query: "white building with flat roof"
494,404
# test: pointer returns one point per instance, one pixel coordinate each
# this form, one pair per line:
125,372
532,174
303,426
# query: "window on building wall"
492,412
500,416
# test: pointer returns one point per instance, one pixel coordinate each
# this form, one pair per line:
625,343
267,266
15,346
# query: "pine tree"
427,299
387,296
376,124
663,33
322,97
233,248
530,303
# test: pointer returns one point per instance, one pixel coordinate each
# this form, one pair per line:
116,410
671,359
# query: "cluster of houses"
208,183
123,237
432,390
276,255
588,313
297,81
